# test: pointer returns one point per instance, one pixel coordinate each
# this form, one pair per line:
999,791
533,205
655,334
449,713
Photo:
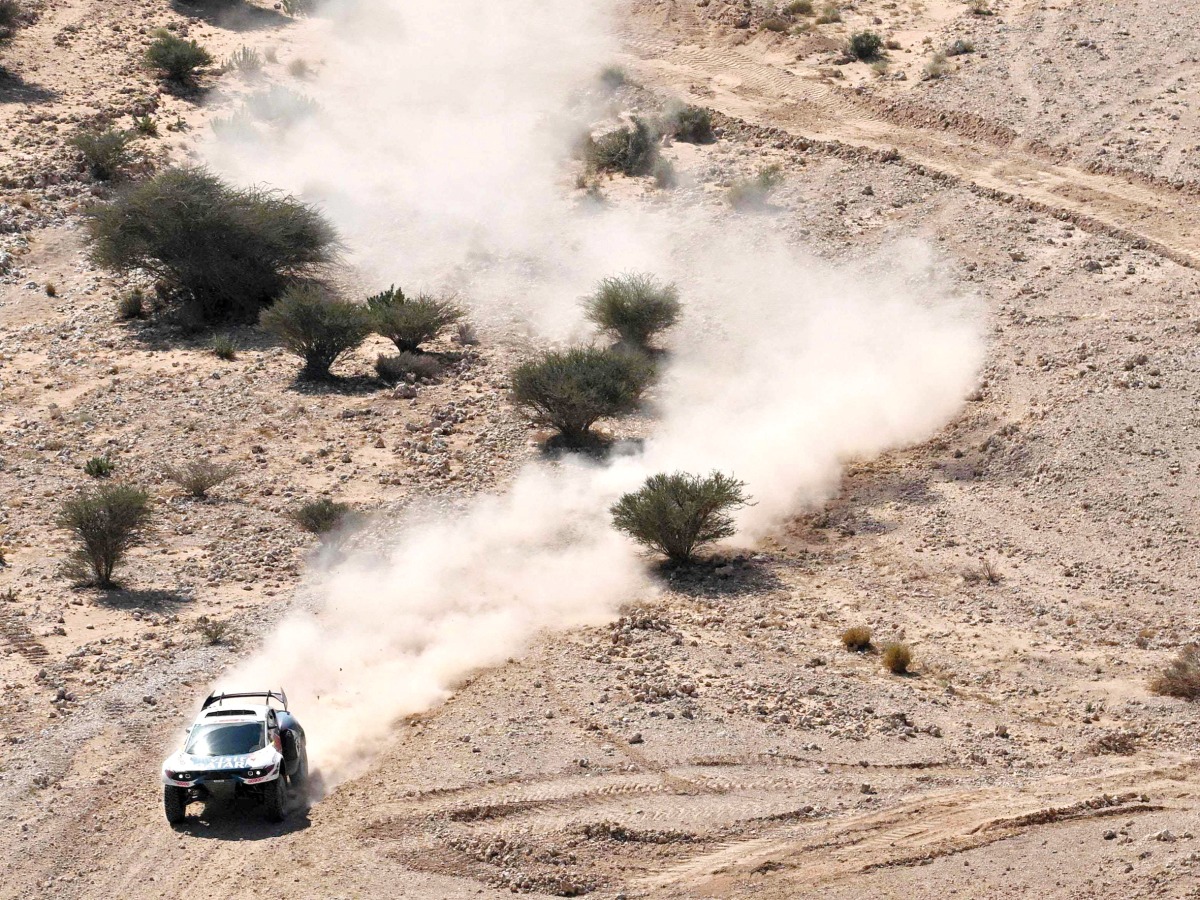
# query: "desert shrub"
936,67
106,522
985,571
246,61
223,347
979,8
131,305
960,47
897,658
51,289
1182,677
299,68
465,334
687,123
174,57
571,390
678,514
104,152
399,366
315,326
775,24
279,105
857,638
829,14
753,193
200,476
664,174
214,631
410,322
99,467
633,307
226,251
613,77
320,516
799,8
630,151
145,126
865,45
12,15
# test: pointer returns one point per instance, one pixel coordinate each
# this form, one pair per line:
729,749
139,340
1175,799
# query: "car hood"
182,762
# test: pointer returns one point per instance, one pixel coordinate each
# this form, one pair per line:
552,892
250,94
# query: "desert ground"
1038,553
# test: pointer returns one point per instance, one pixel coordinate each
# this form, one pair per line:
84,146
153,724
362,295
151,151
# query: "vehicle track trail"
668,51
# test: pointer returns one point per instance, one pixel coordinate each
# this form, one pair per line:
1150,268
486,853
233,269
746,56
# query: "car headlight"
259,773
179,776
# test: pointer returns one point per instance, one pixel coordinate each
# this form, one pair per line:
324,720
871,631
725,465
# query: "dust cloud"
440,150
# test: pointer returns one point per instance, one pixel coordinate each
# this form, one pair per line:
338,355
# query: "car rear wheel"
276,798
175,803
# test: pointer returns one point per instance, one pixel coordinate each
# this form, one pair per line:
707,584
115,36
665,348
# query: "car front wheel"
174,803
277,799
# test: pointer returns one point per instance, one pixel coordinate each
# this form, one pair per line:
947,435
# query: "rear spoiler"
267,695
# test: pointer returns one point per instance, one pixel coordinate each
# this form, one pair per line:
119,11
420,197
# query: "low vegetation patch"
225,252
571,390
214,631
316,326
897,658
1182,677
175,58
105,152
630,151
223,347
403,366
106,523
410,322
754,193
634,308
200,476
865,45
857,639
99,467
320,516
131,305
678,514
687,123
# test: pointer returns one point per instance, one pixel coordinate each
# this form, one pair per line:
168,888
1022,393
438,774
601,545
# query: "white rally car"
240,748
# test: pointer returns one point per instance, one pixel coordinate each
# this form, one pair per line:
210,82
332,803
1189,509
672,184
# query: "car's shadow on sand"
241,819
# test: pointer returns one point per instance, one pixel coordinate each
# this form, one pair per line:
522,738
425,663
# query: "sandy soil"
718,742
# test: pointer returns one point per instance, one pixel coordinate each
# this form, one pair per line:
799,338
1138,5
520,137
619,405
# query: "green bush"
200,476
174,57
410,322
775,24
664,174
316,327
613,77
630,151
687,123
865,45
106,522
246,61
678,514
320,516
145,126
799,8
753,193
223,347
104,152
633,307
571,390
99,467
829,14
225,251
399,366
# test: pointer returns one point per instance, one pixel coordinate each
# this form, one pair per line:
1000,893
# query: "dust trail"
440,153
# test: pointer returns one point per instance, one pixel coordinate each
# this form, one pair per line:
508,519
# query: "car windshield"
227,739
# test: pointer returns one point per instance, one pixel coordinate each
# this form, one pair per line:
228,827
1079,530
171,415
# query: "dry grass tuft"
857,638
897,658
1182,677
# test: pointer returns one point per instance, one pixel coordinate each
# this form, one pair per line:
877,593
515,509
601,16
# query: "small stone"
636,738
